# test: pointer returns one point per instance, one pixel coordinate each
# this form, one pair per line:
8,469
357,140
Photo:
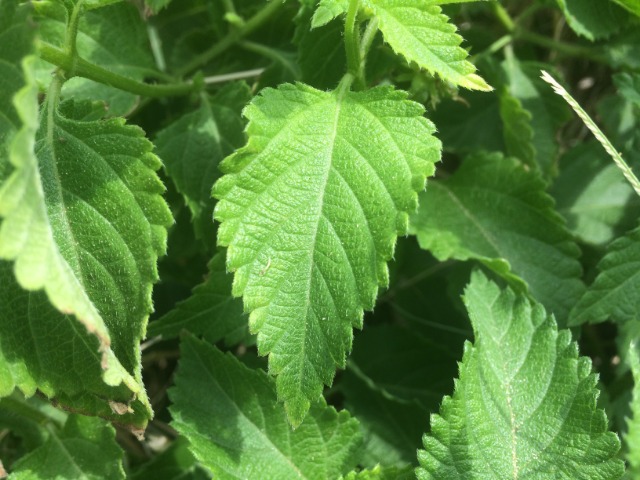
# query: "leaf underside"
310,210
525,403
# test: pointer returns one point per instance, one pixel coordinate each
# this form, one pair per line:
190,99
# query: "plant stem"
352,43
232,37
560,47
503,17
83,68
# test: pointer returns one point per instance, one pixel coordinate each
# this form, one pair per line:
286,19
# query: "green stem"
83,68
503,17
232,37
70,41
352,43
560,47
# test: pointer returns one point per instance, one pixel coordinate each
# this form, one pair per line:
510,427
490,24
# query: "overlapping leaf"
211,311
83,219
420,32
194,145
84,448
494,210
310,210
613,294
525,403
238,429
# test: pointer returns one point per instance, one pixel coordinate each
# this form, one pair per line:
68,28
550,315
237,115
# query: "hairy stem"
352,43
85,69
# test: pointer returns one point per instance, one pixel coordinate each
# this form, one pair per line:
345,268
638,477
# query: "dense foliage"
323,239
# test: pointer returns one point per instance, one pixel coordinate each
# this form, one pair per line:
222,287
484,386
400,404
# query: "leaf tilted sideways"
84,220
494,210
310,210
237,429
525,404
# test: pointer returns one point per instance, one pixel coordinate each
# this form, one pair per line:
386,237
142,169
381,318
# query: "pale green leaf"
156,5
85,448
495,211
524,405
238,429
594,19
211,311
310,210
194,145
593,195
614,293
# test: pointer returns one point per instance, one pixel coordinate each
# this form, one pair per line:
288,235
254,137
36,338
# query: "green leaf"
632,438
631,5
156,5
497,212
594,19
85,448
525,403
420,32
310,210
394,379
112,37
194,145
629,86
16,38
211,311
613,294
594,197
237,428
518,133
175,463
548,112
84,220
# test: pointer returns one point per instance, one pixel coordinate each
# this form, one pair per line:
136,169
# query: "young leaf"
211,311
85,448
193,146
495,211
613,294
310,210
525,403
237,428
